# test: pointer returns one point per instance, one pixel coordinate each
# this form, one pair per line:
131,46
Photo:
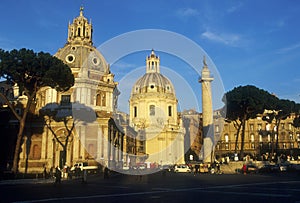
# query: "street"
171,187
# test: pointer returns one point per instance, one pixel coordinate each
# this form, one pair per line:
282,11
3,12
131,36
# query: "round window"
95,61
70,58
152,86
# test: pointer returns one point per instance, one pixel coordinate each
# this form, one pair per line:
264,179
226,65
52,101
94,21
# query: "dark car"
268,169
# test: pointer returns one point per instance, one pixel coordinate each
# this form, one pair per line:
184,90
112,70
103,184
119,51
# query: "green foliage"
245,102
296,122
31,71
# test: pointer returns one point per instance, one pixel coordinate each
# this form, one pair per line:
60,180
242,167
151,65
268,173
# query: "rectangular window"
170,110
135,111
65,99
251,127
259,127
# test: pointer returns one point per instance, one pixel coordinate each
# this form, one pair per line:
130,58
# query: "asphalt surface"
159,187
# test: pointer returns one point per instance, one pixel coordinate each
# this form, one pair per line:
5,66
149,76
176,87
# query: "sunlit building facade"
96,138
153,113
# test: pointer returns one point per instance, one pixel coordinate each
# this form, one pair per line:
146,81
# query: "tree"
69,115
243,103
31,71
282,109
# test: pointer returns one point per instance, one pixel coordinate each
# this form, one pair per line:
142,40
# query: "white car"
182,169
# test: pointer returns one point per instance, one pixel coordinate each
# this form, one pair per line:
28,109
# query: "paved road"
158,188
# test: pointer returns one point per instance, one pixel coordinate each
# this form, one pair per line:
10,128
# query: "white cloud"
234,7
223,38
288,48
124,65
187,12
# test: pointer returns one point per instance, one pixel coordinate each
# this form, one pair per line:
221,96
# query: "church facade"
153,114
94,137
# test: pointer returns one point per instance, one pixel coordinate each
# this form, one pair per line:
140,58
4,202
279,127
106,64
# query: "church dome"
79,52
153,80
77,56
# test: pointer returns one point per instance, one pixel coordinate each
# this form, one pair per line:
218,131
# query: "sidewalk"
26,181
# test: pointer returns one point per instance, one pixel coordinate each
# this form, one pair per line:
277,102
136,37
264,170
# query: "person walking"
57,175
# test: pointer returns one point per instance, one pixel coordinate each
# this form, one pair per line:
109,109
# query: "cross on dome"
81,10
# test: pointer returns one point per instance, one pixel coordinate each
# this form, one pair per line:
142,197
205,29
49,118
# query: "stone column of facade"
207,114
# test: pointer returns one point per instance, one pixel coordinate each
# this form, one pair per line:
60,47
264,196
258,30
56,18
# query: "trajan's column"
207,114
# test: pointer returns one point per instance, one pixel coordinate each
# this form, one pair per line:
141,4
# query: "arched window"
226,138
98,100
78,32
252,137
101,99
152,110
260,138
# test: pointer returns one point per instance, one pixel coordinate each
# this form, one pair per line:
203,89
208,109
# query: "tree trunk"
18,146
243,139
22,121
276,143
237,138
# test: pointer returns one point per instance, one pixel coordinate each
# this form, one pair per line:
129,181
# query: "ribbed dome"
78,56
153,82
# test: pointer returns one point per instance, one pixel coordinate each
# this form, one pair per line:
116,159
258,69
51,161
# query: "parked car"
282,167
182,169
249,168
268,168
142,166
83,166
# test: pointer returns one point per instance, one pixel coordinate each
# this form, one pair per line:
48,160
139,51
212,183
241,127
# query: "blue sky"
250,42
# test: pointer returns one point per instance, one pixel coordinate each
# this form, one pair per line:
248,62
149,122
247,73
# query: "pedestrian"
218,167
45,172
244,169
57,175
84,176
106,173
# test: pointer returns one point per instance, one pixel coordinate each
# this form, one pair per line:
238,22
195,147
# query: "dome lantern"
80,30
152,63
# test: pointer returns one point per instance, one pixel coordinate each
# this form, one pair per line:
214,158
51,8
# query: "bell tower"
80,31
